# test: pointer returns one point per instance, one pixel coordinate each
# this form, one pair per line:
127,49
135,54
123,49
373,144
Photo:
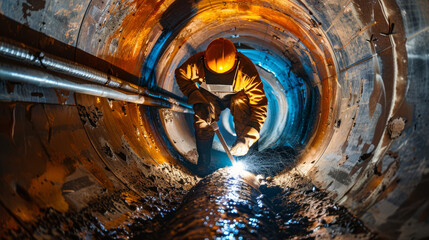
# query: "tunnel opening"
348,95
290,60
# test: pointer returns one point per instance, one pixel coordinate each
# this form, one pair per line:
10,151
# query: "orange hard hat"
220,55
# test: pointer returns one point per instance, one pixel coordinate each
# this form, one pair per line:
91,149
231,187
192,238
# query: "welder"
220,78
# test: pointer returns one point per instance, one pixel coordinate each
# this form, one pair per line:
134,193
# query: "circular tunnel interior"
347,90
292,88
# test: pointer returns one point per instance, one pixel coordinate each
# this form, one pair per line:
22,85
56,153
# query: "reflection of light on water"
231,202
233,188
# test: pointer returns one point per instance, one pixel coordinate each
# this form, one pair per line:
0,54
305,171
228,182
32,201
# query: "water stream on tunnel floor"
227,205
224,205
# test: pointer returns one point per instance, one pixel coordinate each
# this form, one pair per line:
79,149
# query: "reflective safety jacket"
191,75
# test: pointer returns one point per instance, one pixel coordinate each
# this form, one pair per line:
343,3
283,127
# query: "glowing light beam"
238,168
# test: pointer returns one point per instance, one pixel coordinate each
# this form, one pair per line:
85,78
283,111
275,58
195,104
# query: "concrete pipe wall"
347,82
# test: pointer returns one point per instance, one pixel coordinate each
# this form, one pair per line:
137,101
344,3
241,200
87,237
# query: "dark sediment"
221,205
119,214
306,212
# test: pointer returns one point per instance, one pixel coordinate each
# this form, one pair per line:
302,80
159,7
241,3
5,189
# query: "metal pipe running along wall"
22,74
49,62
16,73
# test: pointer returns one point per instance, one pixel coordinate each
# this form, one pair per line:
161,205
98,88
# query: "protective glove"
205,111
239,148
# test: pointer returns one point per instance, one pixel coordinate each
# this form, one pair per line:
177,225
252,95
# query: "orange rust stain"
130,197
24,209
153,142
98,173
7,225
127,217
46,189
375,186
133,35
26,213
374,183
388,190
140,136
371,186
7,222
117,221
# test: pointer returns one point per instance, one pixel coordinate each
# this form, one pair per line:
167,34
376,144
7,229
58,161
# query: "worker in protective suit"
220,78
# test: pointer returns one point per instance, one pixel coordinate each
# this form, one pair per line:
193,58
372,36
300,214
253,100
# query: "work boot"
204,148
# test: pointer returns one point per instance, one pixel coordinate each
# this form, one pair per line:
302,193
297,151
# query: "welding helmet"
220,56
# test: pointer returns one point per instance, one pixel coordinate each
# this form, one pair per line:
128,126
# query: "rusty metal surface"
366,167
10,92
51,174
58,19
39,162
374,51
119,32
9,223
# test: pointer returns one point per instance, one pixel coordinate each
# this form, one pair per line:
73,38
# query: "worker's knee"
203,131
239,106
202,111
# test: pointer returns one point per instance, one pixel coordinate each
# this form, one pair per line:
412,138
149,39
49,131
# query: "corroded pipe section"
226,205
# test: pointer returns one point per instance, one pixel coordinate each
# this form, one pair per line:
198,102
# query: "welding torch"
222,140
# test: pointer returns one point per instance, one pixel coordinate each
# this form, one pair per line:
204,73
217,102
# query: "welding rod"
222,140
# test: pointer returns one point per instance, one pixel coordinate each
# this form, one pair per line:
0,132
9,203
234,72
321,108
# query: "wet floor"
223,205
226,206
118,214
305,212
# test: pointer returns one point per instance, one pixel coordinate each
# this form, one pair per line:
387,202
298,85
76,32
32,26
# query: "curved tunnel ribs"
346,82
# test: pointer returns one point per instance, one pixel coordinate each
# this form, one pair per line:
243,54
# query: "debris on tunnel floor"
346,81
116,215
306,212
270,162
224,206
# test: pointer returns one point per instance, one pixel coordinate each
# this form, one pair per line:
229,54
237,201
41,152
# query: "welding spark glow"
238,168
